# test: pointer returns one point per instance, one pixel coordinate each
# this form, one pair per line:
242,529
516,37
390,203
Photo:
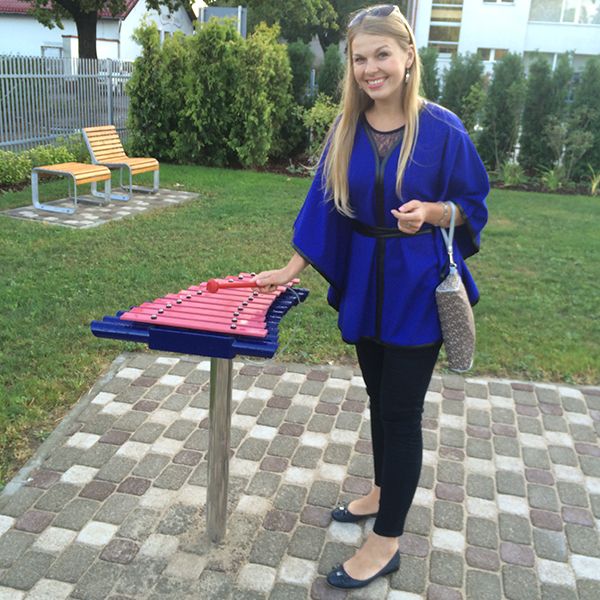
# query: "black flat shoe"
343,515
340,579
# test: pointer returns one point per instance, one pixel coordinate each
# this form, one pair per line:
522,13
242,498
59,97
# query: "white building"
21,34
494,27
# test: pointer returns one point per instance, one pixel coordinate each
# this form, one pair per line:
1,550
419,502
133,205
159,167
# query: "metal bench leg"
218,447
113,195
35,198
153,189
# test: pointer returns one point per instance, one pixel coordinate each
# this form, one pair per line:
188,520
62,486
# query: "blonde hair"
340,138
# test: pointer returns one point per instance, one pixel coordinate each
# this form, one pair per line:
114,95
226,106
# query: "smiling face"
379,65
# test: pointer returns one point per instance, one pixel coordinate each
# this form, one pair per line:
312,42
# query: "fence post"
111,120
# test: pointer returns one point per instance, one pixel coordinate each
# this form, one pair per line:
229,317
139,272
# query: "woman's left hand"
411,216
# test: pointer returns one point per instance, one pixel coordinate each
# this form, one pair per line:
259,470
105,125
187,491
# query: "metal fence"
42,99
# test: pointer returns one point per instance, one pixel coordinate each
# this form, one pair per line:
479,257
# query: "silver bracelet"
444,214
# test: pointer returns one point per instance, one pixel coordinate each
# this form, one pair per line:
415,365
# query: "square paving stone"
529,425
134,485
452,437
483,586
448,515
572,493
43,478
418,520
306,457
99,425
542,496
290,498
519,583
307,542
268,548
271,417
450,472
98,490
177,520
173,477
517,554
361,465
120,551
562,456
12,544
536,457
321,423
446,568
338,454
23,499
588,589
334,554
554,423
27,570
283,446
150,466
116,509
298,414
116,469
77,513
75,560
348,421
286,591
139,577
198,440
478,417
427,477
506,446
583,540
590,465
509,482
56,497
480,486
482,532
176,402
263,484
148,433
558,592
98,455
34,521
140,523
252,449
514,528
551,545
412,575
279,520
212,585
313,515
546,519
482,558
187,457
323,493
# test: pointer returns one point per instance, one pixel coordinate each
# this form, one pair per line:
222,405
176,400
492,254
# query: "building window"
444,30
491,54
578,12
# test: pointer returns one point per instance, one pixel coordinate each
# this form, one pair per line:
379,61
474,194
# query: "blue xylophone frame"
187,341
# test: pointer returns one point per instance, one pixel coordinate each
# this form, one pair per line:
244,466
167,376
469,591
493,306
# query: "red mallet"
214,285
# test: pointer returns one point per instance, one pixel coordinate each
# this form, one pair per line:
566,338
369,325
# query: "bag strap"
449,237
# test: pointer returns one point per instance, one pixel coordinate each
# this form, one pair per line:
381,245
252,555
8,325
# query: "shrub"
331,73
430,81
511,173
14,168
318,121
535,153
594,181
48,155
301,60
465,71
472,107
553,179
502,111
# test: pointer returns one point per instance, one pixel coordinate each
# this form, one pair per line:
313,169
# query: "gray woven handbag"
454,310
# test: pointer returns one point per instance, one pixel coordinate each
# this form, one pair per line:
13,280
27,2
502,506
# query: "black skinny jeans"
397,380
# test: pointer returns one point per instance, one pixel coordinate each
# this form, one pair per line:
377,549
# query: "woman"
370,224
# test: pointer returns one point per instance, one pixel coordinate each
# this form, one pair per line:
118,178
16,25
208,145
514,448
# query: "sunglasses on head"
383,10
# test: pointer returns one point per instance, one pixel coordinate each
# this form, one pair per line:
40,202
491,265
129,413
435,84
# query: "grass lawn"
538,273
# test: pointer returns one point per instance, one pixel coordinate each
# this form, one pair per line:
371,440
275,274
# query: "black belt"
385,232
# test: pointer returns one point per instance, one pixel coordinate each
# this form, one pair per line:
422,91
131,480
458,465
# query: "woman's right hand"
268,281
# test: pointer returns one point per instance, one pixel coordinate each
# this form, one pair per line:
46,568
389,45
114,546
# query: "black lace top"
385,140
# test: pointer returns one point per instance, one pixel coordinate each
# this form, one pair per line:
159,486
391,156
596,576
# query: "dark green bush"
331,73
318,121
430,81
14,168
301,61
465,71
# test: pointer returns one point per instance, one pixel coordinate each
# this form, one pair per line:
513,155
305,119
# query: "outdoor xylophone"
219,319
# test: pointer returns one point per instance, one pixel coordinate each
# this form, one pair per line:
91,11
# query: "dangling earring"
407,76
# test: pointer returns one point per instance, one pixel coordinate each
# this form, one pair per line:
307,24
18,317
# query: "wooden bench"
106,149
78,174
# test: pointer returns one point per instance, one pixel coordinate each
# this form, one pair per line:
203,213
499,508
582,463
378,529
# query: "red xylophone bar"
233,311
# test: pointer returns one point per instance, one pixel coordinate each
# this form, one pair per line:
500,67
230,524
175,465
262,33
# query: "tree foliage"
535,152
331,73
298,19
465,71
85,14
430,81
502,111
301,59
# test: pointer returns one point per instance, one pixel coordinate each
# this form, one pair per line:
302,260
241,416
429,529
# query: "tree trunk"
86,32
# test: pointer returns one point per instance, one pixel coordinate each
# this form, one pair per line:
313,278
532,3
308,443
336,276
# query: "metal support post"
221,370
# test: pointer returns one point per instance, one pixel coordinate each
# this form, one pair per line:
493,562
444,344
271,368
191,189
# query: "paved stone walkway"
90,213
112,506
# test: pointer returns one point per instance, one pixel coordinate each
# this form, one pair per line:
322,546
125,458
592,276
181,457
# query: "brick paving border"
112,506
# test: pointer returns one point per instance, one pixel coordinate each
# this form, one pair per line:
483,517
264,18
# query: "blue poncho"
384,288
